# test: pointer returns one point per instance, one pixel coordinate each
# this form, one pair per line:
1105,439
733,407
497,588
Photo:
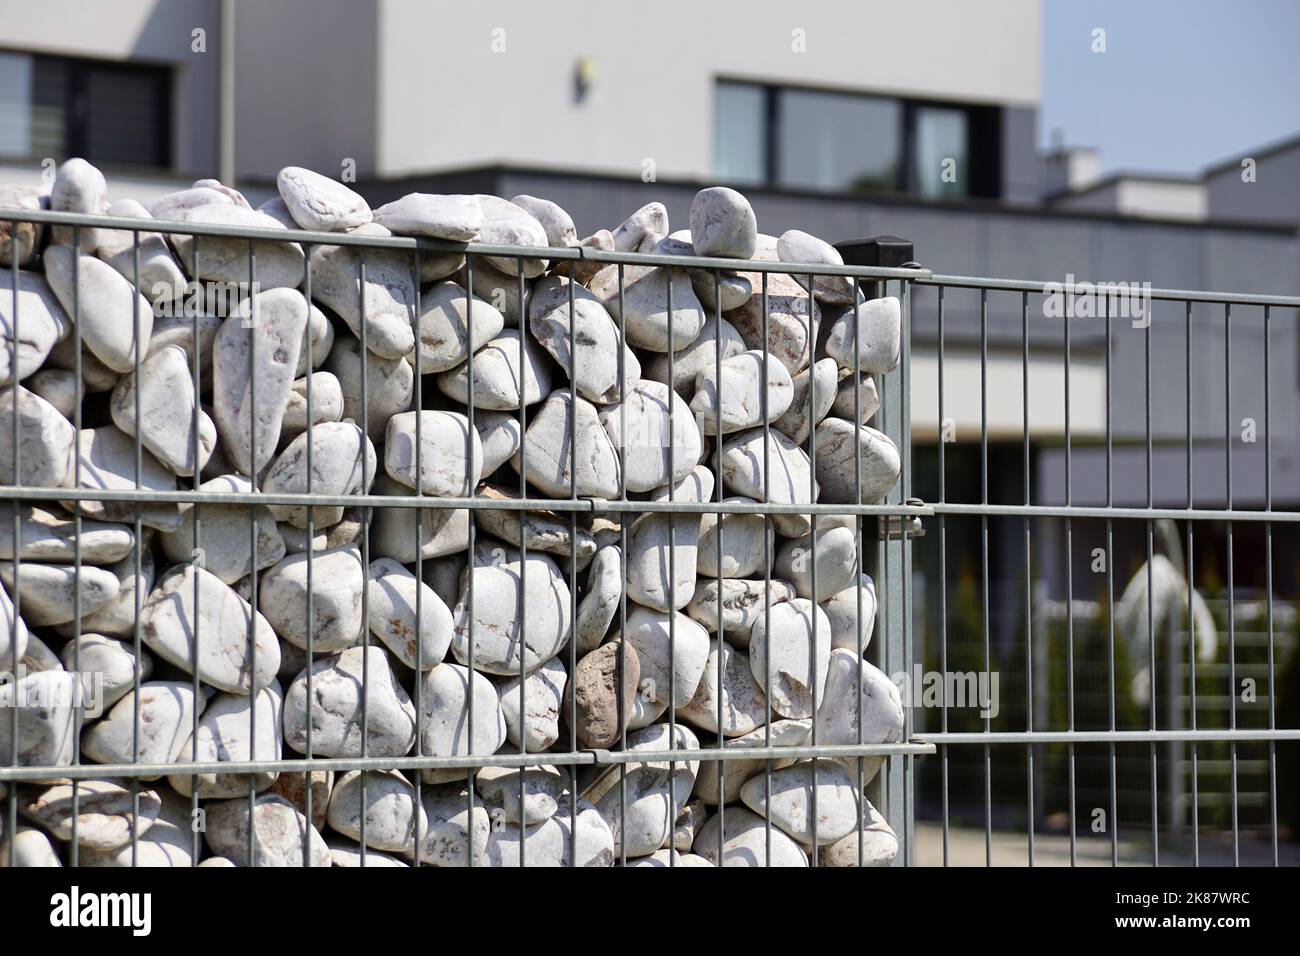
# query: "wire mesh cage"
456,695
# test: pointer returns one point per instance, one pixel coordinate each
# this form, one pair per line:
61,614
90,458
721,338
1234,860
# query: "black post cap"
885,251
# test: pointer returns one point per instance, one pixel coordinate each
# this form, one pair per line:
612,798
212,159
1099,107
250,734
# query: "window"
846,142
105,112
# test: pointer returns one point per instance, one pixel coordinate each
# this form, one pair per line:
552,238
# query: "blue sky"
1182,84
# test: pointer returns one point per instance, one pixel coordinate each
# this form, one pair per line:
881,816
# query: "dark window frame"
76,111
983,138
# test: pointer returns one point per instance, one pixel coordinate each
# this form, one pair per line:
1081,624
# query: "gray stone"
542,695
334,595
335,707
14,636
41,322
731,290
456,218
798,639
501,600
877,327
169,622
497,376
596,692
447,313
337,468
836,475
502,290
172,206
281,835
448,460
319,203
548,450
595,366
345,854
226,734
394,593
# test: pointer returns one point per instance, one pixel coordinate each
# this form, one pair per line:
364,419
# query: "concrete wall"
1272,197
653,98
136,30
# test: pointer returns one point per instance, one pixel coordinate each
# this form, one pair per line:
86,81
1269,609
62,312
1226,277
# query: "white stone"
319,203
552,844
542,697
596,345
78,187
878,841
166,709
500,437
662,674
876,326
41,321
788,335
600,600
108,667
394,593
838,442
743,706
447,313
449,696
661,560
814,395
642,820
798,639
642,230
743,602
30,848
43,704
51,537
742,393
108,462
744,841
797,246
448,460
335,707
385,800
505,224
45,441
388,387
782,475
723,224
547,456
104,814
56,386
282,836
388,293
159,277
543,787
833,559
557,223
864,406
48,592
167,410
226,551
842,611
456,218
792,800
169,622
226,734
732,774
29,236
649,423
326,403
337,468
404,533
744,541
496,375
278,263
837,714
501,599
334,595
646,320
690,360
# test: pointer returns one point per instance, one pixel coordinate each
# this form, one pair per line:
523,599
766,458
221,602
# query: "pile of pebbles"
366,388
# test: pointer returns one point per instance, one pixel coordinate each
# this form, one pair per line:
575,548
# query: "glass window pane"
124,121
837,141
941,159
739,133
15,105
